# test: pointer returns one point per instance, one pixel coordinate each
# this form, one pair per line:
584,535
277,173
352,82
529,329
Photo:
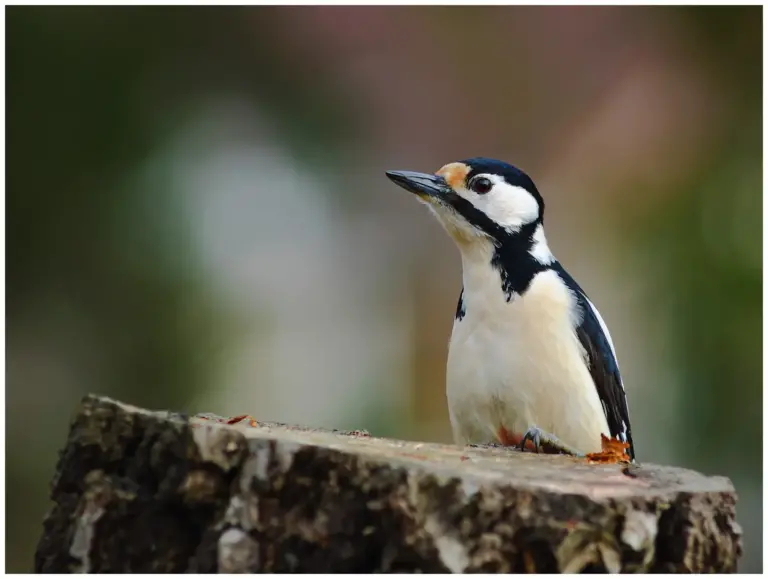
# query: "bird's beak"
422,184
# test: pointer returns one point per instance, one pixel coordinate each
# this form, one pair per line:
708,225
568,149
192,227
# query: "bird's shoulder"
590,321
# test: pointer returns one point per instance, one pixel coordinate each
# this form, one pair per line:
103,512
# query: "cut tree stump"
138,491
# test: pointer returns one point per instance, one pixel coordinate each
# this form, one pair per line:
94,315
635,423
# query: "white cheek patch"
508,205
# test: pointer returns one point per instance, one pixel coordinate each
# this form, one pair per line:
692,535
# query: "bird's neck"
503,269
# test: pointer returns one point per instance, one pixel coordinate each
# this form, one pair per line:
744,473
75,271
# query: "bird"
530,358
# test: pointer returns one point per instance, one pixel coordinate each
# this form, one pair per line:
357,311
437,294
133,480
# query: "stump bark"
138,491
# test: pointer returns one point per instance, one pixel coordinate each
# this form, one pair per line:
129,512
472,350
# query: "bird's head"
478,199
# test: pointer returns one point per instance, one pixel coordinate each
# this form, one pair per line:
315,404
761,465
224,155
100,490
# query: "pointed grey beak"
422,184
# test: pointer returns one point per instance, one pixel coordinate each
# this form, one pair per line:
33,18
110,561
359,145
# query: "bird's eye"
480,185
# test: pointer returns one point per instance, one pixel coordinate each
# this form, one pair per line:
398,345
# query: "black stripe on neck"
513,260
511,256
474,216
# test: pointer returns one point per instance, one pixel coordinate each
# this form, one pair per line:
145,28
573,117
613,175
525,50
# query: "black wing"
602,364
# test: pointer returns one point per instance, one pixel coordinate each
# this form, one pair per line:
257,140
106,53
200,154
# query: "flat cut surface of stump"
139,491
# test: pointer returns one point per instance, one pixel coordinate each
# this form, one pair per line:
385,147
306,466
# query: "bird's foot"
548,443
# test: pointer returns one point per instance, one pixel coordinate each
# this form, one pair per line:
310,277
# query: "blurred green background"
198,219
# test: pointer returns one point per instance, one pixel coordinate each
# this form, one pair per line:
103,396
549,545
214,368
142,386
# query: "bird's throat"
505,268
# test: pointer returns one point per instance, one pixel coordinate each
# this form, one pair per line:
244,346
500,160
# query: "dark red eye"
480,185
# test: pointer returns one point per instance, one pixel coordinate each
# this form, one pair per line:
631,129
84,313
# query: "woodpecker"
530,358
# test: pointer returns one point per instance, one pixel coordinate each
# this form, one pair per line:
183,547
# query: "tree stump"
148,492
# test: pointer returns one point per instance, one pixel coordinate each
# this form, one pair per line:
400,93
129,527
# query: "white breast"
518,364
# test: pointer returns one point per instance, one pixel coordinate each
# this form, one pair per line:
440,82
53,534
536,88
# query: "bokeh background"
198,219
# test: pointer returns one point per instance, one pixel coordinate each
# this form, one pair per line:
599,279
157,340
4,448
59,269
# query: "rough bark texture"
140,492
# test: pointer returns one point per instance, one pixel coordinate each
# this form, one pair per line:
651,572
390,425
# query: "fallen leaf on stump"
613,452
238,419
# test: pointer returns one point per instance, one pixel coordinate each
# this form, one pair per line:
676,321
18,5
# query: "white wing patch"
613,351
604,328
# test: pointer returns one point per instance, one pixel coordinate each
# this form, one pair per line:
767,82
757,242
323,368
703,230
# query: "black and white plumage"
530,356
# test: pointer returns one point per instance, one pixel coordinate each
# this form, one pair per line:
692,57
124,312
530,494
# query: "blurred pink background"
198,215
